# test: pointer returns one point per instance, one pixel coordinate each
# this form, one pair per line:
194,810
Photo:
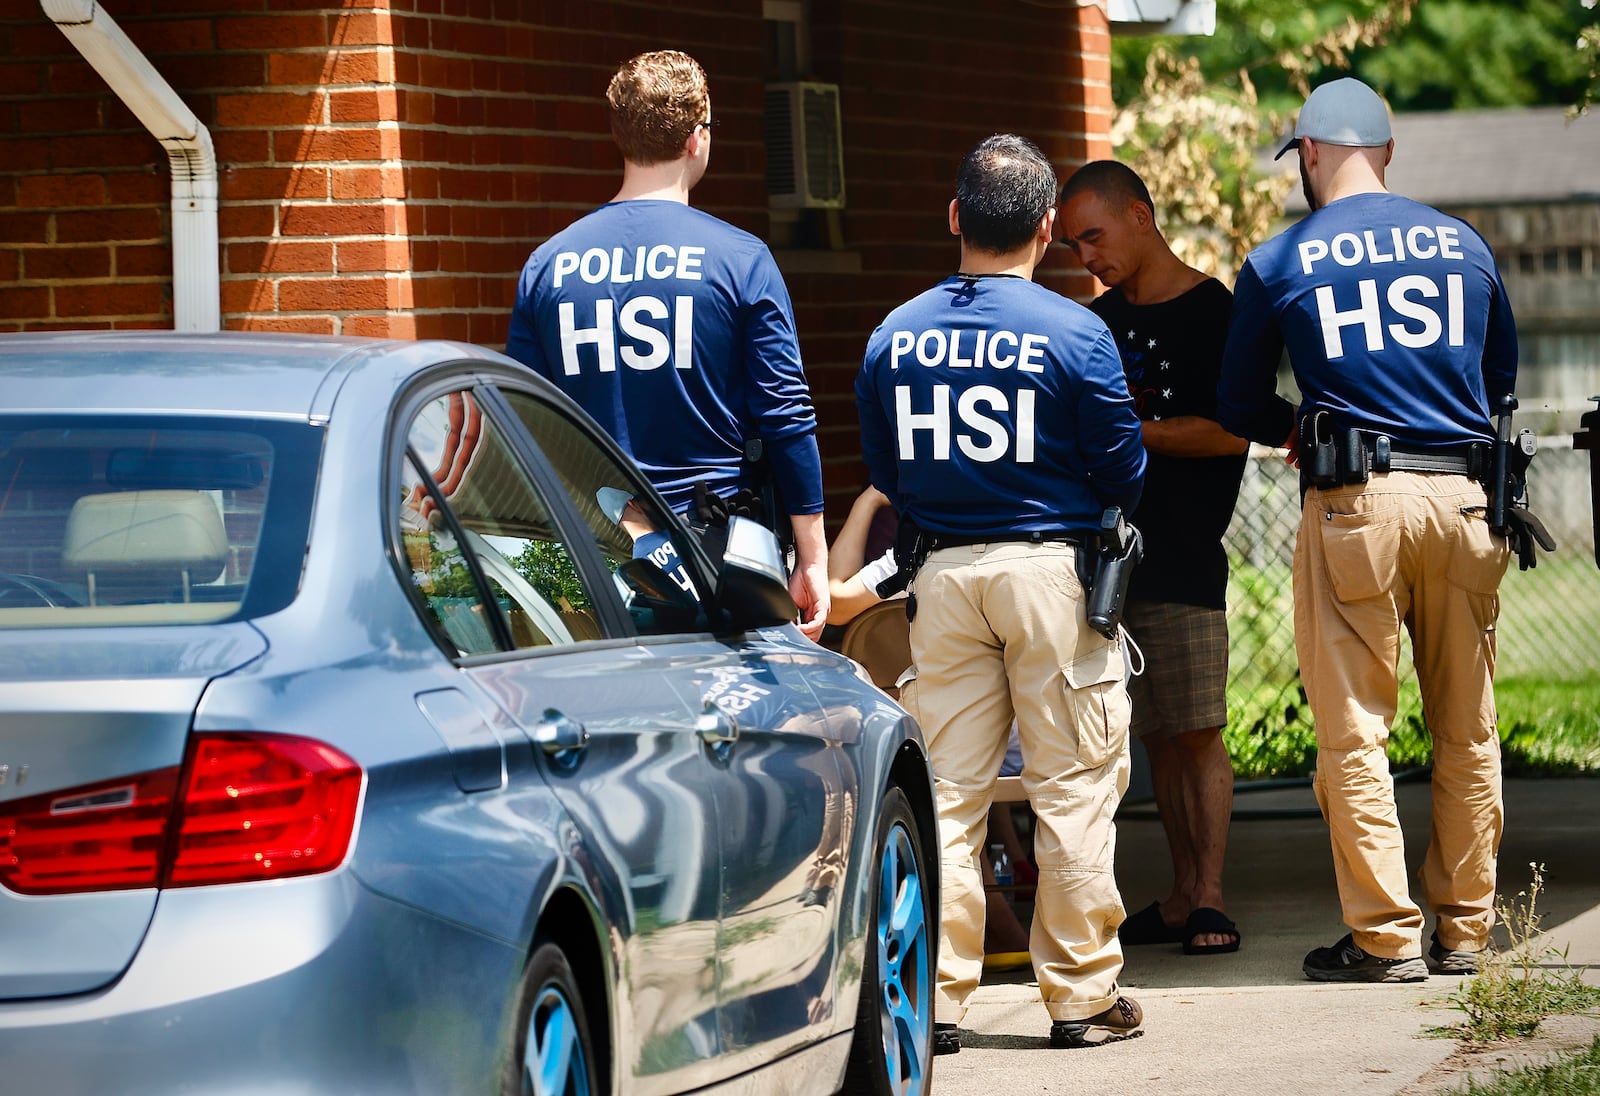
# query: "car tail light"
252,807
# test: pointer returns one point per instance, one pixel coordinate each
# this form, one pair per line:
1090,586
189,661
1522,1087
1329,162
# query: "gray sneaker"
1345,962
1121,1021
1441,960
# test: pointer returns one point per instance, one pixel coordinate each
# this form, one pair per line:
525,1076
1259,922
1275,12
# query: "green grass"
1547,728
1575,1076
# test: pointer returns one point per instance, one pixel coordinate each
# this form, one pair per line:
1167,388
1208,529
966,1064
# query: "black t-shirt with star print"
1172,357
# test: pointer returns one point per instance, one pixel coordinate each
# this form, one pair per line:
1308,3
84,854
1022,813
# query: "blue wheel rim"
553,1063
905,980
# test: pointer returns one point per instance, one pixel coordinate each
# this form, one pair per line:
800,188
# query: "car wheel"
553,1055
892,1048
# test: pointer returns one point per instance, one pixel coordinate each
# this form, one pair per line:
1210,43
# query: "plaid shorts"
1184,686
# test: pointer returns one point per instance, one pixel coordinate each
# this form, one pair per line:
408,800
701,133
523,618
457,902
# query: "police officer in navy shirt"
673,328
995,416
1402,340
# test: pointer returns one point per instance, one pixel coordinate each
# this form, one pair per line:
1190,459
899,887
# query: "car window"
109,520
488,565
645,549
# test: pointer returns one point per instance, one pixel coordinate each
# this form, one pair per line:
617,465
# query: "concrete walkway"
1250,1022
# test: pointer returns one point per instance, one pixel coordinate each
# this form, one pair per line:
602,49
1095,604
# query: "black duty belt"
1458,460
937,541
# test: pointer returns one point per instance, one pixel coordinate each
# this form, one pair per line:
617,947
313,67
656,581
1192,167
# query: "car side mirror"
752,588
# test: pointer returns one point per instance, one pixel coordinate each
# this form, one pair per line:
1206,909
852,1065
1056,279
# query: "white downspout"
196,278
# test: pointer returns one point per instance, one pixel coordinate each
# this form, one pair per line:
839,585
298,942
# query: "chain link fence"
1549,627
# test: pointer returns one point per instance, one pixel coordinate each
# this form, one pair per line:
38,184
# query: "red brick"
255,33
376,105
24,303
382,325
328,144
74,77
105,150
242,184
280,256
238,222
169,36
150,187
335,220
109,224
64,116
10,264
242,146
300,325
21,154
361,29
248,295
365,256
24,227
374,182
445,325
142,261
148,299
210,70
269,109
308,69
332,294
62,263
22,78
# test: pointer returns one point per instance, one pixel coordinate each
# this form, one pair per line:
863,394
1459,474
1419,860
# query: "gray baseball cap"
1342,112
613,501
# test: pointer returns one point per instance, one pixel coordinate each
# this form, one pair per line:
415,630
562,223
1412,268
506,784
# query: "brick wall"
386,167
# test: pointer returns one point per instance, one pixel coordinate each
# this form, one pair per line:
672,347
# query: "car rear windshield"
151,520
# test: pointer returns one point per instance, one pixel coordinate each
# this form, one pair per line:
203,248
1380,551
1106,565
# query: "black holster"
1120,550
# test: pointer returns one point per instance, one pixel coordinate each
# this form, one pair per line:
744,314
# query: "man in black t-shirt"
1170,322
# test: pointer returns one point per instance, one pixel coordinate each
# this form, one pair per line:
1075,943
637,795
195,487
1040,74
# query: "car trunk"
82,713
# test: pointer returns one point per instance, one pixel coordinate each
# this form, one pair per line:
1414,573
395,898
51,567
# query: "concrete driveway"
1250,1022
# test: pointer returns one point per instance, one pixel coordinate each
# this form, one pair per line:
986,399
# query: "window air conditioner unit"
805,149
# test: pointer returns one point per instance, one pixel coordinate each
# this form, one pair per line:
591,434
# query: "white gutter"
196,278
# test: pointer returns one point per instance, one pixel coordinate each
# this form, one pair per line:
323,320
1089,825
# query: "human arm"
877,435
848,589
1499,348
808,585
1190,436
522,341
778,397
1248,403
1108,428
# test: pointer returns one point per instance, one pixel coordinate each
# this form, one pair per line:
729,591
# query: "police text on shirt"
1420,325
968,349
645,320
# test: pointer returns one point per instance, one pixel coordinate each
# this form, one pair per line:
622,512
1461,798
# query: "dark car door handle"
561,736
716,727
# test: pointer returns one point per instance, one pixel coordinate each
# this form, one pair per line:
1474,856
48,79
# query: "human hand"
808,585
1292,444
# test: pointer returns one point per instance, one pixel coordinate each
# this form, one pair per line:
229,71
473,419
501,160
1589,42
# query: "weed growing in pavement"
1578,1075
1519,986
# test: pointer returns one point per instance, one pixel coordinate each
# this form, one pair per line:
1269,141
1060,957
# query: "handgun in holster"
1319,458
1121,549
910,552
1507,490
772,512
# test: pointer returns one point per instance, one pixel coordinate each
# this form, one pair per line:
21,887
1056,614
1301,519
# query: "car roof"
262,374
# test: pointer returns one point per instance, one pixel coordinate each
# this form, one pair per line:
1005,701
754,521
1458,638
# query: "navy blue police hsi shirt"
1395,319
674,330
997,405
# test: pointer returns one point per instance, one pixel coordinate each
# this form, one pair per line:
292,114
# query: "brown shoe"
1121,1021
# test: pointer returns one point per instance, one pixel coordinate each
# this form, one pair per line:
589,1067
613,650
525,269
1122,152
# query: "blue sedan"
369,725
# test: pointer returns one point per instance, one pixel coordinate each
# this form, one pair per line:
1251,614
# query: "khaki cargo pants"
1369,558
1000,633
